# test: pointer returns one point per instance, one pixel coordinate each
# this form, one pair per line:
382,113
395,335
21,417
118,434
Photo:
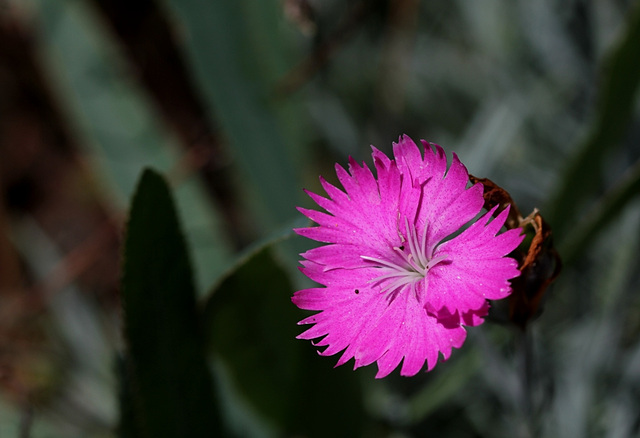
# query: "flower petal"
371,328
394,290
477,268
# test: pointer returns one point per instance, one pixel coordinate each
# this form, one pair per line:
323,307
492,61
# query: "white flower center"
416,262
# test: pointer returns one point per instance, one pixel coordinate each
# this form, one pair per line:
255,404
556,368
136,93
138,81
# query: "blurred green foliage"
541,97
236,49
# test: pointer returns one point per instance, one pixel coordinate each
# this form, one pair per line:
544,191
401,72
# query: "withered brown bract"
538,261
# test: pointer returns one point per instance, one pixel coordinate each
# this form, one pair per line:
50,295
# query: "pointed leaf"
252,325
172,387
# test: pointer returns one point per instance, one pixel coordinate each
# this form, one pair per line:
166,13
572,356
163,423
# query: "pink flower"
399,283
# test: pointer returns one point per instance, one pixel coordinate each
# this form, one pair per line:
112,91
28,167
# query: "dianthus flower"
402,276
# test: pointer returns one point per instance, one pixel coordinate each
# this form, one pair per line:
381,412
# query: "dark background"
242,104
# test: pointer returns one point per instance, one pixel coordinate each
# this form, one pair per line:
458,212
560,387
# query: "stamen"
417,262
424,242
414,246
384,263
437,259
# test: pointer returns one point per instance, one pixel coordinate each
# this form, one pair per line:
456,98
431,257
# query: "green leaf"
613,114
252,325
274,238
231,58
166,363
608,208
